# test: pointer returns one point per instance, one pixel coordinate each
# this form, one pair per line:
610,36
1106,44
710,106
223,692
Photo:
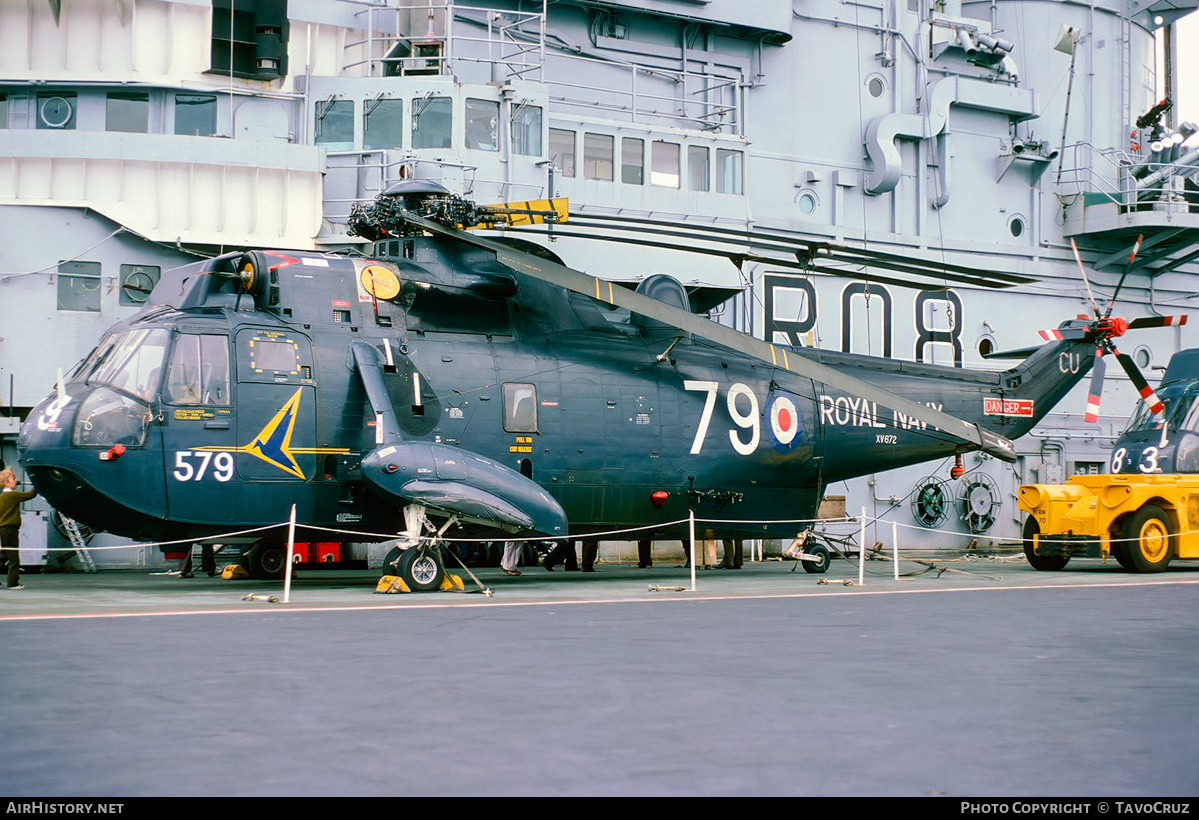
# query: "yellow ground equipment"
1143,521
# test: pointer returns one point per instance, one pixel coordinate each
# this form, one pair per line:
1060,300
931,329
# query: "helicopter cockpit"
125,373
1163,443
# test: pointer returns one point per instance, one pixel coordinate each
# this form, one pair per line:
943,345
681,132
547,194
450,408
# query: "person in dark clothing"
562,553
10,525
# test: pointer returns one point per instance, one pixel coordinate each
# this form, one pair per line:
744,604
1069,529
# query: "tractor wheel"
1148,539
1045,563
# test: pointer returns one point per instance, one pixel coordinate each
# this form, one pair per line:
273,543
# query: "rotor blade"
1085,280
1138,381
1059,333
1098,369
1131,257
795,362
1157,321
1022,353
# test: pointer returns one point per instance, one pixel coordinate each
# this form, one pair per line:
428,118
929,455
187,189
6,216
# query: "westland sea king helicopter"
454,379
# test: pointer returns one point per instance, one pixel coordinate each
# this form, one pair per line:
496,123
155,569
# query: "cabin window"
56,110
128,111
562,150
526,130
698,175
520,408
137,281
276,357
195,114
382,124
632,161
79,286
728,171
482,125
3,110
598,156
664,164
432,122
335,124
199,372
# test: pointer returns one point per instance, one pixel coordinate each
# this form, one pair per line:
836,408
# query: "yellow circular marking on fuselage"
380,282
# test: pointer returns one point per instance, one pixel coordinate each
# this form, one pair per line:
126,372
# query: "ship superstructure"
897,137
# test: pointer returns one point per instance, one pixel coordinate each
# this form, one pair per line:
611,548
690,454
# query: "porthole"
1143,356
1017,226
876,85
986,345
807,202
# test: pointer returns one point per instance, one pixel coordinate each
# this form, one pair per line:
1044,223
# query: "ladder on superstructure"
76,539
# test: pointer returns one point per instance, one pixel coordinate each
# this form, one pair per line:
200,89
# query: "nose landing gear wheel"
421,568
820,566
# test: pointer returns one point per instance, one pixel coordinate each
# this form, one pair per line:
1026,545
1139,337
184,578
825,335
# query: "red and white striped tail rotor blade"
1098,369
1138,381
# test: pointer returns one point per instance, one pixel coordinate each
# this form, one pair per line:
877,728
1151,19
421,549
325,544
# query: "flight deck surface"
988,678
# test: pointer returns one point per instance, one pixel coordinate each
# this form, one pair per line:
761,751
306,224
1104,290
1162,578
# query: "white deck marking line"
681,598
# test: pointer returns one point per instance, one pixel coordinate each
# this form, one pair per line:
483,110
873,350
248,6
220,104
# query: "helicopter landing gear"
419,563
265,560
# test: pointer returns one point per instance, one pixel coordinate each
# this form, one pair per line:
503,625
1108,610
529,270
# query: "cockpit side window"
134,363
199,371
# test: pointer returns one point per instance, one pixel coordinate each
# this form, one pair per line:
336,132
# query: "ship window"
195,114
520,408
526,130
632,161
137,281
728,171
382,124
128,111
562,150
598,151
482,125
432,122
698,175
335,124
56,109
79,286
664,164
199,372
3,110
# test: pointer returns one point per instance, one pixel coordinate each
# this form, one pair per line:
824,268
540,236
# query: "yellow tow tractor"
1147,512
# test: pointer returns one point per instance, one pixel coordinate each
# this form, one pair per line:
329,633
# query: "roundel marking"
380,282
784,420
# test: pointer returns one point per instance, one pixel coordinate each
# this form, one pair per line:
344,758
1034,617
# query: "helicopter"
457,380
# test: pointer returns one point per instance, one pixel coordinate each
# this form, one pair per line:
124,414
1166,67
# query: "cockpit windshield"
130,361
1181,412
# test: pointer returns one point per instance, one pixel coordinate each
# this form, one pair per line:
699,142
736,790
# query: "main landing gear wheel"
421,568
819,566
1148,539
265,561
1050,563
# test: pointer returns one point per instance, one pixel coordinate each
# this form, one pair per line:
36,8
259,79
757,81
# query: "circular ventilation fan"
978,502
930,501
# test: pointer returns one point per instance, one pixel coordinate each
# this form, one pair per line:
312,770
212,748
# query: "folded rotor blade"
1059,333
609,292
1138,381
1098,369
